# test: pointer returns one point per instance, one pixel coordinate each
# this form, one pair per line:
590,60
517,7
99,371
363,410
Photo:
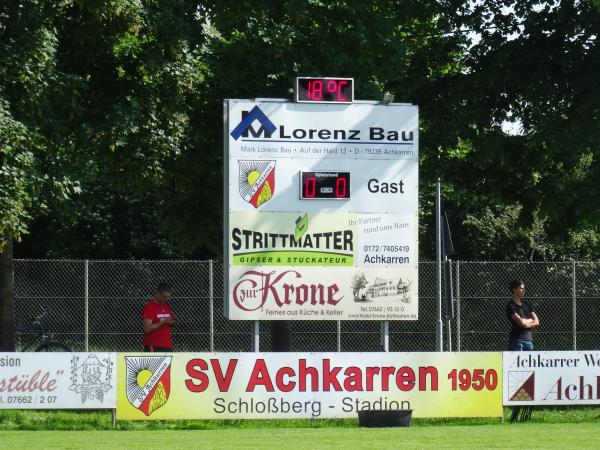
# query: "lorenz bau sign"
321,211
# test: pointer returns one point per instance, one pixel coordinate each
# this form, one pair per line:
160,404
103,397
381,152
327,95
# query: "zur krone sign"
321,211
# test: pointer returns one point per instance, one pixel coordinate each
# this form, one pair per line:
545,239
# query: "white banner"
334,188
375,186
551,378
292,130
312,293
311,239
57,380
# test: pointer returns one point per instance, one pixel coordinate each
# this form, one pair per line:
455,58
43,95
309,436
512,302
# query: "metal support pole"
439,338
574,287
114,418
256,336
339,335
385,336
448,307
211,312
457,306
86,320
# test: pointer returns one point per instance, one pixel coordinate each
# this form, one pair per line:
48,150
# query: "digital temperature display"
324,90
324,185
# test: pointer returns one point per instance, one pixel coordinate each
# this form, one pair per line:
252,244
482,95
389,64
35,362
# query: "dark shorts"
151,348
520,345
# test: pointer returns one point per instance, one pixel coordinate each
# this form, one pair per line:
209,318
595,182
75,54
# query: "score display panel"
320,225
324,90
325,185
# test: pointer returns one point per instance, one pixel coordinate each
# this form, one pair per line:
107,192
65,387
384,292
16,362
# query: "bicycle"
38,329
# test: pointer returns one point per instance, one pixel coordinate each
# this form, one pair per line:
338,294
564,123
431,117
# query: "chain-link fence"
96,305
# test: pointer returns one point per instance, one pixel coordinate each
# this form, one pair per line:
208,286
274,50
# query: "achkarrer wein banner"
306,385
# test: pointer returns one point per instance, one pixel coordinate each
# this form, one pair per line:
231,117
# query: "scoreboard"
320,217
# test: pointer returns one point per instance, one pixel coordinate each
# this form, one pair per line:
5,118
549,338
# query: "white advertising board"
353,231
313,239
313,293
551,378
377,187
58,381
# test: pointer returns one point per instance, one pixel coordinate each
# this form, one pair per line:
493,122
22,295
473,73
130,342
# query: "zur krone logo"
148,381
257,181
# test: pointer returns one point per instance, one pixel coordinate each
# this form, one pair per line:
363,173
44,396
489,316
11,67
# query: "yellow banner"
306,385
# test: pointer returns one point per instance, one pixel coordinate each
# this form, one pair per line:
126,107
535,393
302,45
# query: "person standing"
158,319
522,317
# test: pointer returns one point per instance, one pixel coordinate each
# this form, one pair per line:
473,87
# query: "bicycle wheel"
53,346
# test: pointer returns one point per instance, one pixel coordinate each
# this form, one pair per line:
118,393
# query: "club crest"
257,181
148,381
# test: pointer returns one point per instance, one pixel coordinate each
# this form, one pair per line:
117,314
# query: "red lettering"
194,369
433,373
223,381
386,372
331,291
281,384
260,376
371,372
353,380
330,377
305,371
405,379
247,289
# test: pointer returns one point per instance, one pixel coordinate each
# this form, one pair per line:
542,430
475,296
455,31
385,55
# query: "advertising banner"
307,385
311,293
292,130
321,216
551,378
57,380
312,239
275,185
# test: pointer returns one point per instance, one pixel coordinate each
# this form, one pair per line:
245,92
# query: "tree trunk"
7,297
281,336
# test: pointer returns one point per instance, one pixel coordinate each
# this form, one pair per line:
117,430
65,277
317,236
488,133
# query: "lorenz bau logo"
148,381
257,178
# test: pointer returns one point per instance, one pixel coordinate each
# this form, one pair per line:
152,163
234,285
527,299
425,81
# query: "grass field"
518,436
564,428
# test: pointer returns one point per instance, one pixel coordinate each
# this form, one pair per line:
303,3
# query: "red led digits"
341,85
323,185
340,187
324,90
310,187
315,90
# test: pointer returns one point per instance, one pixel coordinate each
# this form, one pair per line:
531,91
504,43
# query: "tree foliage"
111,115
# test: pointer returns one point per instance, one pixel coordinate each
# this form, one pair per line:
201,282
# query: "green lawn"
518,436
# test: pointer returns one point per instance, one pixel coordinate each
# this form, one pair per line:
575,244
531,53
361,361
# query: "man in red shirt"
158,320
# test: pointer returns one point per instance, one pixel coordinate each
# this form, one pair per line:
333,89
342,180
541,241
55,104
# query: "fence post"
458,306
211,306
86,338
574,293
339,335
256,336
385,336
